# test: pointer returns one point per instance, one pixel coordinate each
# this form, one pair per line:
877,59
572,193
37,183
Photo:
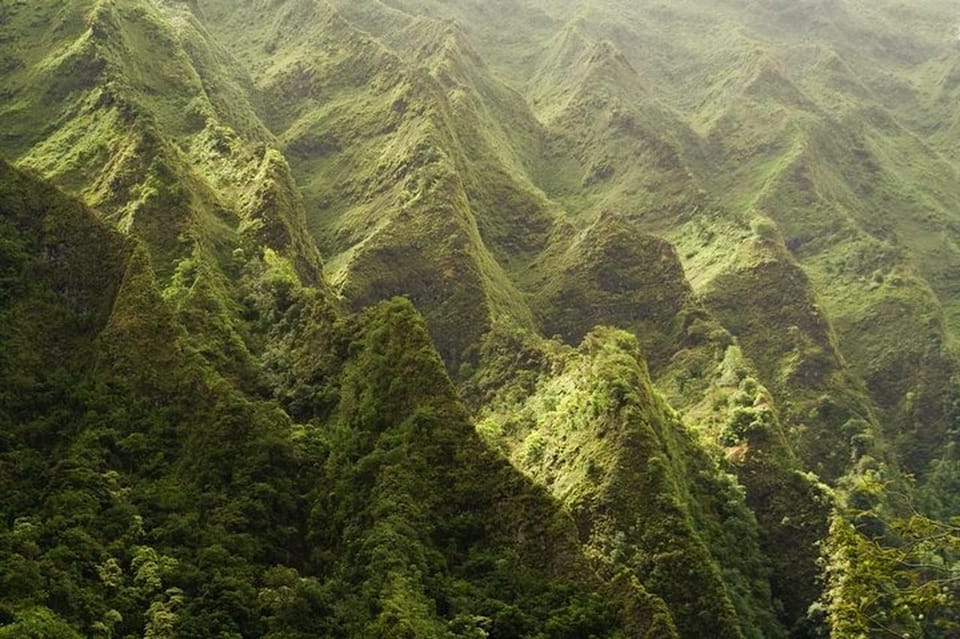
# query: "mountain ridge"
689,269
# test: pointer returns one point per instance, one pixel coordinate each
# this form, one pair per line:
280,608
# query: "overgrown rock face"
134,462
612,273
691,269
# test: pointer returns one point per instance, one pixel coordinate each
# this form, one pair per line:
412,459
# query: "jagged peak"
430,37
606,53
768,79
574,54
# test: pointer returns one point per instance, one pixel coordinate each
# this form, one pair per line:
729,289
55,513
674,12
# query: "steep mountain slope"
398,162
592,430
691,268
807,114
137,138
383,514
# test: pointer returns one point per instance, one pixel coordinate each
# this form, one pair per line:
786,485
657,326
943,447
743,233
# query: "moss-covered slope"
151,494
761,193
592,430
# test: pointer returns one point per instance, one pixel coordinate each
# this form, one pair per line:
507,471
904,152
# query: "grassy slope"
159,136
384,513
135,109
823,117
586,424
806,113
696,163
826,325
481,129
242,311
399,163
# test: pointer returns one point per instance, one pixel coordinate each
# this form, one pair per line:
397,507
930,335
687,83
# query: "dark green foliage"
614,274
593,431
196,441
411,495
150,496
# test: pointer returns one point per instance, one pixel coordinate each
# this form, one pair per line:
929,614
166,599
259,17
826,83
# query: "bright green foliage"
205,431
155,498
593,431
902,584
38,623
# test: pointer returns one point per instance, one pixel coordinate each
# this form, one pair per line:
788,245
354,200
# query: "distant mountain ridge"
688,270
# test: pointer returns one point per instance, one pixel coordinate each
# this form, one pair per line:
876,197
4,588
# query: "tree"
904,585
38,623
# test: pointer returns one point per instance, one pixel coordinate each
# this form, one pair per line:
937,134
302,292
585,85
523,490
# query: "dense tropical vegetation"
509,319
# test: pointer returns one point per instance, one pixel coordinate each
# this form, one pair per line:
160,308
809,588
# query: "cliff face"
679,289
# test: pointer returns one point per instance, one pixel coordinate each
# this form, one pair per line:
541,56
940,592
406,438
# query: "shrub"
764,227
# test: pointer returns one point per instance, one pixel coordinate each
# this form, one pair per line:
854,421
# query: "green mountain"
507,319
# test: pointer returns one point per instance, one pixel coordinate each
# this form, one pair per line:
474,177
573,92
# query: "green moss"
592,430
797,160
613,274
178,499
